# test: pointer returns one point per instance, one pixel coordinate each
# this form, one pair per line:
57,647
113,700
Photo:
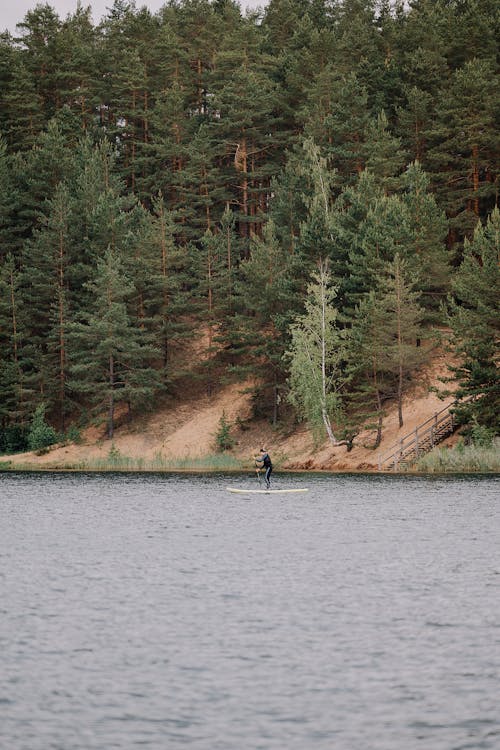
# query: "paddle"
257,471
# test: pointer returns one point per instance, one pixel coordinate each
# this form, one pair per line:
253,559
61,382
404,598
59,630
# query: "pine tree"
12,335
426,246
350,225
475,322
266,299
202,193
8,55
23,106
465,143
37,173
40,39
167,298
248,129
102,214
385,233
170,134
299,66
78,68
370,385
414,120
8,203
291,194
400,326
112,357
385,157
48,260
337,118
317,233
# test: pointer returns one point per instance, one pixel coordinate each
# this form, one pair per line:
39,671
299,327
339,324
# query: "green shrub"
41,434
114,455
73,435
223,439
482,436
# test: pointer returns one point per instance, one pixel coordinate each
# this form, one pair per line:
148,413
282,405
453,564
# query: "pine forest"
314,185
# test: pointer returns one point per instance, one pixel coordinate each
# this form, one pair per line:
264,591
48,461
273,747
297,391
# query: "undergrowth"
116,461
462,458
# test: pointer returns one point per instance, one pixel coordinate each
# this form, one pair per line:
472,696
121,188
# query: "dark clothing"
266,462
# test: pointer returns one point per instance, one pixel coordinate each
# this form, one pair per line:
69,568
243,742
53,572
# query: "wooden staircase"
421,440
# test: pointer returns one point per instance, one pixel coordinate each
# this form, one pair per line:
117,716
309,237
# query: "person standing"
265,460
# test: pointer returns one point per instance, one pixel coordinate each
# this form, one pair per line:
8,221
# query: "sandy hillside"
186,428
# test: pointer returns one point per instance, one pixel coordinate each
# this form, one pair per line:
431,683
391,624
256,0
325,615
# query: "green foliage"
41,435
73,435
464,140
114,455
383,343
315,357
474,316
111,350
223,438
13,439
462,458
182,174
481,436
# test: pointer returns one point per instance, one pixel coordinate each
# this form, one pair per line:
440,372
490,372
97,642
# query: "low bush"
223,438
41,434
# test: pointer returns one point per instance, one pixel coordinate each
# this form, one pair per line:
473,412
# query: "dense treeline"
197,167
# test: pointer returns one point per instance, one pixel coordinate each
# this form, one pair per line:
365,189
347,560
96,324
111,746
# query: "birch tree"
315,357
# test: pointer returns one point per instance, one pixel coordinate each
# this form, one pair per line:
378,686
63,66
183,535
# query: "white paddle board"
265,492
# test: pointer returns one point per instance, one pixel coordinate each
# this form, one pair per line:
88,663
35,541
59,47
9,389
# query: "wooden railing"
421,440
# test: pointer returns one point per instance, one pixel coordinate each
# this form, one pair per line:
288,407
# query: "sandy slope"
187,428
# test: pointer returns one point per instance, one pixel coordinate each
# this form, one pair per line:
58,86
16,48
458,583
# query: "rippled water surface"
160,611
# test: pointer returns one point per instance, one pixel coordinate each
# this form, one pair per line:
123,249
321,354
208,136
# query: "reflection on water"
160,611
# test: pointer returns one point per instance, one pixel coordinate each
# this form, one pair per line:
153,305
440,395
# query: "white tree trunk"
324,412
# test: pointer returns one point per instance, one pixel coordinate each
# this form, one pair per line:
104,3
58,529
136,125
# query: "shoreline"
34,469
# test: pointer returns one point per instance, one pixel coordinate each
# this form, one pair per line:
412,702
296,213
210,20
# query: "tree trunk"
19,379
62,364
164,273
62,343
378,398
275,403
324,413
475,177
244,187
111,412
210,317
400,353
400,396
328,426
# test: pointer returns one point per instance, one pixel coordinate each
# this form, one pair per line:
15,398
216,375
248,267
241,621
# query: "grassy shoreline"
118,462
103,468
470,459
458,460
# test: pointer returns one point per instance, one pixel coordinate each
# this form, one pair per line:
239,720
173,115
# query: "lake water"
160,611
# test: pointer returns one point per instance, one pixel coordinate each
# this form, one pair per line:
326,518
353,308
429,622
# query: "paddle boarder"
267,464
